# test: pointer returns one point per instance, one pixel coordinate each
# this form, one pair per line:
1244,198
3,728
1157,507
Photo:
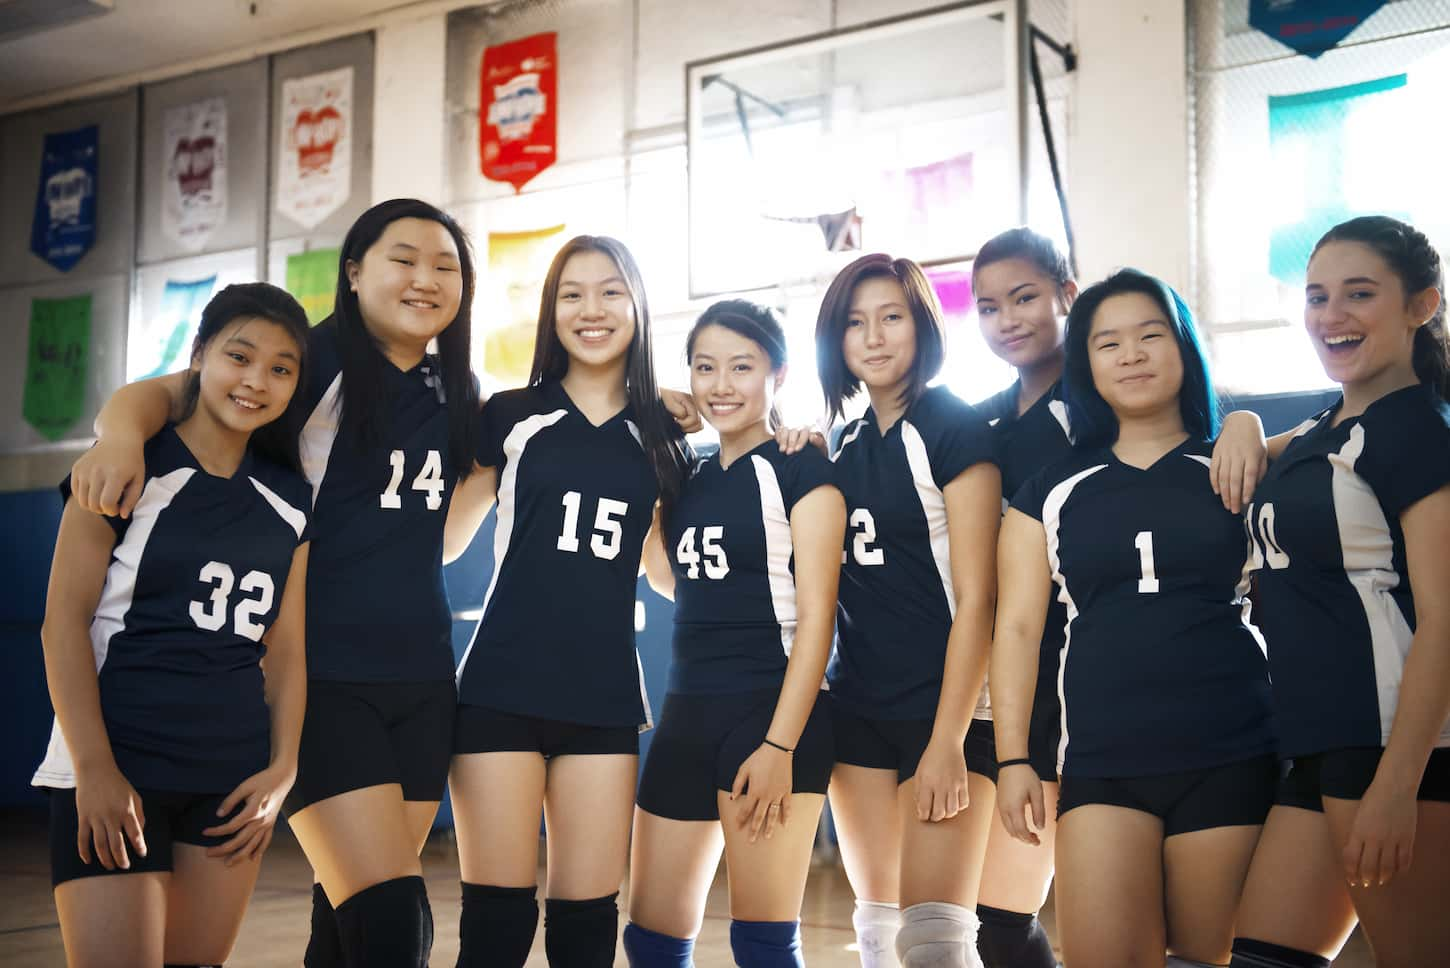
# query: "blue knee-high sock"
766,944
650,949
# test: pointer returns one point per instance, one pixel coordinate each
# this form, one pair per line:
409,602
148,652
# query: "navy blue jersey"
729,543
196,578
896,602
1161,671
377,608
1027,444
575,502
1338,609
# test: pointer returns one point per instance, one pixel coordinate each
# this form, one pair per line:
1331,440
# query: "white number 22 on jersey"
429,481
211,615
717,566
608,532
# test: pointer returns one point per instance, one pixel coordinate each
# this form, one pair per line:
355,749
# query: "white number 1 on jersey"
1148,584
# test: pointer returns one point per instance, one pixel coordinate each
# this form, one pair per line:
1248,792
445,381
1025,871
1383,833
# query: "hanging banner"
162,343
517,119
1310,27
312,281
314,166
65,204
55,372
194,188
517,264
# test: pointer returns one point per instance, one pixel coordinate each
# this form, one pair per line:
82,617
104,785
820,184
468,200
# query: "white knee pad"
876,925
936,934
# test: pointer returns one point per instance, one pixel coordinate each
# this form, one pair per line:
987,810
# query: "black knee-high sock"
1261,954
581,934
388,925
324,947
1008,939
496,926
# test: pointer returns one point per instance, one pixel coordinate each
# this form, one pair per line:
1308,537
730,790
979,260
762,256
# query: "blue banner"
1310,27
65,205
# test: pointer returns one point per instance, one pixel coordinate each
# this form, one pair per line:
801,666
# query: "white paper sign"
314,166
194,189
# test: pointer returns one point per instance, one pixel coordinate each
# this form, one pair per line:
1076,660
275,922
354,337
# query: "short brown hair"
838,383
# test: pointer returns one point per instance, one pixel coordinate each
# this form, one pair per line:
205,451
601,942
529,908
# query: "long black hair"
659,434
753,321
1414,260
277,439
1093,422
366,403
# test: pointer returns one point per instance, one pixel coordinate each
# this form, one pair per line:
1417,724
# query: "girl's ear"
780,377
353,269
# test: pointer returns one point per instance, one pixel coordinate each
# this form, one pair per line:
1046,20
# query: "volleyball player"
172,752
1350,527
389,432
1024,289
1167,752
551,689
911,793
750,554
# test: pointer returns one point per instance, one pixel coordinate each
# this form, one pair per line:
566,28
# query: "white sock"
876,925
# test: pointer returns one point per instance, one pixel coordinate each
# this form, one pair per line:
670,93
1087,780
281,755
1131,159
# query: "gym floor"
275,931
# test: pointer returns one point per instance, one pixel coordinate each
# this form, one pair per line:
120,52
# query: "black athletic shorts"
702,740
483,730
1045,732
171,818
1233,795
1346,774
897,744
362,734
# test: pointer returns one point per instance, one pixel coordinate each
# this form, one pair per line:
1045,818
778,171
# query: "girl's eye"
1152,335
893,317
1361,294
1107,346
1315,300
852,323
702,367
569,295
447,269
237,358
403,262
281,371
742,368
1027,298
986,310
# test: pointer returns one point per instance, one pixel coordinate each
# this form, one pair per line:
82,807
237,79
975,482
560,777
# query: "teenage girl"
750,554
1024,289
911,793
389,432
551,690
172,751
1167,750
1350,527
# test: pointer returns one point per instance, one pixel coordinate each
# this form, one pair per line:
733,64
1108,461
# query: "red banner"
518,109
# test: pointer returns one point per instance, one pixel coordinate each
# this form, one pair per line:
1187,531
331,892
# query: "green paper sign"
55,375
312,279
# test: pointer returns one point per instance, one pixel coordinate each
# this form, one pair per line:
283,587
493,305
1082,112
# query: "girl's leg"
205,904
1404,920
588,806
113,921
1295,895
1204,873
1016,878
768,881
364,853
671,866
497,801
1110,888
868,830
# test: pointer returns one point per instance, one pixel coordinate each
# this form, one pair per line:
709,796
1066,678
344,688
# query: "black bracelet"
1019,761
783,749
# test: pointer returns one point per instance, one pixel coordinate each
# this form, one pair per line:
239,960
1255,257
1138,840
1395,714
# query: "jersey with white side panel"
377,607
1160,671
575,502
1338,609
897,602
729,543
195,580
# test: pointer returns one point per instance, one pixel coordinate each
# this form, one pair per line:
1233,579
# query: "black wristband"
1019,761
783,749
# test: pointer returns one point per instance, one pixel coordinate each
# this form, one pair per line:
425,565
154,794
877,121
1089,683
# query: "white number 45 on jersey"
717,566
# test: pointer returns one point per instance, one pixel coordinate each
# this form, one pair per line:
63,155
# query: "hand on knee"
650,949
1009,939
496,926
876,925
1261,954
388,925
766,944
936,934
581,934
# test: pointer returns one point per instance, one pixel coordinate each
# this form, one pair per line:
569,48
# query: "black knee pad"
388,925
1008,939
324,947
496,926
581,934
1249,953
